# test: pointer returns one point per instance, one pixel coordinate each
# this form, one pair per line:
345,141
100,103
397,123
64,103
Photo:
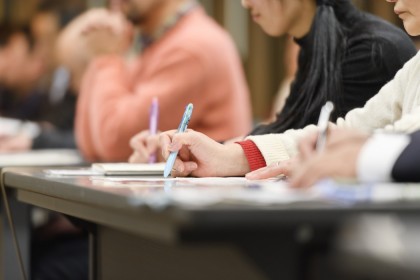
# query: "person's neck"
303,23
159,14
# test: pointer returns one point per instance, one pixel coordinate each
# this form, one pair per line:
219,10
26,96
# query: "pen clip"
185,118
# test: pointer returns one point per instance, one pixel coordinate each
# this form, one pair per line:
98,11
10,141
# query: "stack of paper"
122,169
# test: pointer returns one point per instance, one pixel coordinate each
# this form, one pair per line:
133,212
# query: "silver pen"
324,118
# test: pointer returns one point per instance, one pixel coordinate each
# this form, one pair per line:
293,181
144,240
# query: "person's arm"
280,147
110,111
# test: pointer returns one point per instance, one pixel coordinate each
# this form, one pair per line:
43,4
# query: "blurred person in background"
181,56
35,87
36,97
20,70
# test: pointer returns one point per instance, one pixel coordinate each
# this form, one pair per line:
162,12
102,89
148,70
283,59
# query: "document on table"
41,158
132,169
72,172
192,180
112,169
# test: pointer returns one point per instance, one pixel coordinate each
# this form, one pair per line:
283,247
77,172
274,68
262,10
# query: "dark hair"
7,31
319,78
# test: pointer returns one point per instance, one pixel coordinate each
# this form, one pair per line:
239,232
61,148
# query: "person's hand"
338,160
94,33
106,32
200,156
145,145
283,168
17,143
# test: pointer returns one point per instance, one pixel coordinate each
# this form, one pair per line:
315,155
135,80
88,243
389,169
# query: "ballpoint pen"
181,128
153,121
324,118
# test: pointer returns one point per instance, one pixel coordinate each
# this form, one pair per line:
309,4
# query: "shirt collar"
143,41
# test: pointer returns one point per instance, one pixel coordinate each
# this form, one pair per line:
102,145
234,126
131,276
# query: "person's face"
409,13
276,17
137,11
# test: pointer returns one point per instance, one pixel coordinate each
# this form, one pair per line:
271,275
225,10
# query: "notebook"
121,169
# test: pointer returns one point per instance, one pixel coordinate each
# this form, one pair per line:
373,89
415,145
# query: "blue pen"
154,115
181,128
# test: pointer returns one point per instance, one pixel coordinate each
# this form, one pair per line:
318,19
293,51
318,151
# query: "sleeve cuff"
379,155
253,155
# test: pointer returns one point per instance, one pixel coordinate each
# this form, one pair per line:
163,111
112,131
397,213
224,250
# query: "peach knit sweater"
195,62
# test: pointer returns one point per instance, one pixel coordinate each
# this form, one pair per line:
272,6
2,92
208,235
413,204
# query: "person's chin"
135,19
412,28
272,32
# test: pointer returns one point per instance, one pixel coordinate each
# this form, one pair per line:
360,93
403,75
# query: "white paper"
122,169
41,158
71,172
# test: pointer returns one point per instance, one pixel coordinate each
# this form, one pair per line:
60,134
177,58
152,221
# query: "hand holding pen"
200,156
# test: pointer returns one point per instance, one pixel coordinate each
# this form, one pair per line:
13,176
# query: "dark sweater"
406,168
375,51
60,134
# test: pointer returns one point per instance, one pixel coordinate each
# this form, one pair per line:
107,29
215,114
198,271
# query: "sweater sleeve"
110,111
253,155
382,112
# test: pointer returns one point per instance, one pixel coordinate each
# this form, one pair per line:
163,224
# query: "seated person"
344,57
20,70
55,123
27,63
395,108
184,57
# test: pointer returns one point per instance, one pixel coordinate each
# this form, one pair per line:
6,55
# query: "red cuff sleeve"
253,155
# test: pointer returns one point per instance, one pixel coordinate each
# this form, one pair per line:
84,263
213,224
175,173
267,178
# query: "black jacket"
407,166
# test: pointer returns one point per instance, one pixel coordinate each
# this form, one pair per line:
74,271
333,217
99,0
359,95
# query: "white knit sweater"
395,108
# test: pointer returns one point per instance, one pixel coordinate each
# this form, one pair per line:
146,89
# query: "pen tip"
165,174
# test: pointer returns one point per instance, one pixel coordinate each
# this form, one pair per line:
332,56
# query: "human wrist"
234,161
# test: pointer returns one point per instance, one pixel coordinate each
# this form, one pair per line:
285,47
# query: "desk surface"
134,207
